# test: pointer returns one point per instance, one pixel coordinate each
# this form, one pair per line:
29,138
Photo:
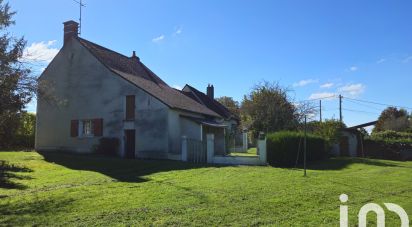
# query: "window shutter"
98,127
74,128
130,106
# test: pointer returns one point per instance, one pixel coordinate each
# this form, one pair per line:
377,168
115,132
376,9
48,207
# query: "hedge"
392,137
282,148
384,150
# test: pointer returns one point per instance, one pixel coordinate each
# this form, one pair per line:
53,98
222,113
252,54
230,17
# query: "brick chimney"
210,91
134,56
71,29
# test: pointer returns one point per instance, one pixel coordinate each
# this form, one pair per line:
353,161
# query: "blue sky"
361,49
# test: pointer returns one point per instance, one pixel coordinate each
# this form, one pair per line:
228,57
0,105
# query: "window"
130,106
87,128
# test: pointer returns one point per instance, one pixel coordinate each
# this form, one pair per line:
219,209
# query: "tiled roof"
210,103
134,71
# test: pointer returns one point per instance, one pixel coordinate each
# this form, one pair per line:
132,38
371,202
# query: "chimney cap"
134,55
210,91
70,22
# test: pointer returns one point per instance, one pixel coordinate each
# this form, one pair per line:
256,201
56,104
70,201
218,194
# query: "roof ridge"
122,60
105,48
214,102
141,76
193,91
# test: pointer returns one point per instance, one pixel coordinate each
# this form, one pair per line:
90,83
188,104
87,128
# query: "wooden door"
344,146
130,143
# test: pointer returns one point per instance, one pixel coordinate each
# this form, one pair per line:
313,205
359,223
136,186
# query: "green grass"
88,190
249,152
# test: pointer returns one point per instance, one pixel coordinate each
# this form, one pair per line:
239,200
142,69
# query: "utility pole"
304,152
340,108
320,110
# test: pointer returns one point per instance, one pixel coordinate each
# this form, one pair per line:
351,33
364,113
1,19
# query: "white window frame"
82,129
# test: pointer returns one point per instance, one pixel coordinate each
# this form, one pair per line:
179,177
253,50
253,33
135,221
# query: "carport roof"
207,122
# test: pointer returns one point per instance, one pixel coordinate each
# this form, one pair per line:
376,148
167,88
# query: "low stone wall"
237,160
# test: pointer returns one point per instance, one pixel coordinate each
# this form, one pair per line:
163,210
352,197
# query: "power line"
328,110
361,104
322,98
377,103
360,111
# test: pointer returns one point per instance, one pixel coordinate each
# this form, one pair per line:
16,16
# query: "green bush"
392,137
283,147
18,131
330,130
107,146
23,141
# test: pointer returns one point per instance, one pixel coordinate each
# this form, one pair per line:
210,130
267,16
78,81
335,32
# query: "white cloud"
322,95
178,31
303,83
158,39
40,52
327,85
178,87
408,59
382,60
353,68
352,89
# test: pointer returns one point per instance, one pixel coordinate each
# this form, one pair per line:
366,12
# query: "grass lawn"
66,189
250,152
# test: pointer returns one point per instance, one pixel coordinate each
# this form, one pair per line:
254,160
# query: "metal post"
80,18
304,151
80,2
340,108
320,110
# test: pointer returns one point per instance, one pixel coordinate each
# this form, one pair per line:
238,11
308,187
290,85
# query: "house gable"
210,103
83,88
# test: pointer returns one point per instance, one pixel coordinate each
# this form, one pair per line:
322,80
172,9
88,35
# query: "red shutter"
74,128
98,127
130,100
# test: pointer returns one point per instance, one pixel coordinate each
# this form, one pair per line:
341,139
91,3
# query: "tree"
329,129
269,108
392,119
230,104
25,134
27,124
17,85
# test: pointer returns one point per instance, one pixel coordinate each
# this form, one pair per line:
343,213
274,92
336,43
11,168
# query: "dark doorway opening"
344,146
130,143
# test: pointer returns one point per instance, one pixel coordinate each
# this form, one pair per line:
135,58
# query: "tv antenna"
80,18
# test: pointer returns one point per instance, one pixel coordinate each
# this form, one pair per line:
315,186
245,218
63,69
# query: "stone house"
89,92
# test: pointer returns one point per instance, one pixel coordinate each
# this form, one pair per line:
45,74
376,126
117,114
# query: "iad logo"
380,213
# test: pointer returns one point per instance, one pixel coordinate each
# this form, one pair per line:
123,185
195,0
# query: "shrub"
23,141
283,147
18,131
330,130
392,137
383,150
107,146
